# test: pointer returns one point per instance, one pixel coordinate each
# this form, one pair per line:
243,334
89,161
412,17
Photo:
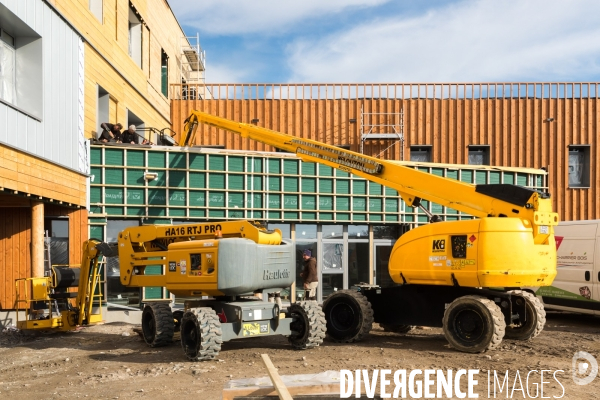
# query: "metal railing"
336,91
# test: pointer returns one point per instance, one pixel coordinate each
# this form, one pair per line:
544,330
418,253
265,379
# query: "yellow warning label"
255,328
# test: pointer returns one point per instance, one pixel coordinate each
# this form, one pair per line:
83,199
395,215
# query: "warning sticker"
255,328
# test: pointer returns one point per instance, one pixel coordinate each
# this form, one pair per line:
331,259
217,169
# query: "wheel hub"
469,325
342,316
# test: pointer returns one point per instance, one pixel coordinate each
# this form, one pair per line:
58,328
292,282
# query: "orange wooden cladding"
525,124
15,243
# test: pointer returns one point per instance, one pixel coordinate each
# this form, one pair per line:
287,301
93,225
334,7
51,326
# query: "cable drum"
65,277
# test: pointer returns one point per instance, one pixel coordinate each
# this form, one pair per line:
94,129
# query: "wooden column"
37,239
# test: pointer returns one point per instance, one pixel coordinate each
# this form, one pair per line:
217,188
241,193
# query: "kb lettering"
439,245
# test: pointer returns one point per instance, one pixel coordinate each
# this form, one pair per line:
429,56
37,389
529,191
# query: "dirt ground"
111,361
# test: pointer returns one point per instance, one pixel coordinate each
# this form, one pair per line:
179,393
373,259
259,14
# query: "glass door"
381,254
332,268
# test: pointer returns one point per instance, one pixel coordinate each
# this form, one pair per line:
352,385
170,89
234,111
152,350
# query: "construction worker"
310,276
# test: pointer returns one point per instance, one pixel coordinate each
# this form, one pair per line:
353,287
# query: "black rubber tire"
535,321
177,317
201,335
349,316
157,324
308,325
400,329
473,324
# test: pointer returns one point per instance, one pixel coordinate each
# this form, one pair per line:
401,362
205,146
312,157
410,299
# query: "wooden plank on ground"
276,379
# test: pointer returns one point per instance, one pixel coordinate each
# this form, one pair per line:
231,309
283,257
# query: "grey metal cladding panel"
56,138
60,92
26,10
244,266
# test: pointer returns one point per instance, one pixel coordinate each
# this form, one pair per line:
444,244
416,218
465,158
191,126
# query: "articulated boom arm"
89,278
502,200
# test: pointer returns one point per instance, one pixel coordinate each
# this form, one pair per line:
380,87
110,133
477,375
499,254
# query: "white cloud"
220,73
230,17
536,40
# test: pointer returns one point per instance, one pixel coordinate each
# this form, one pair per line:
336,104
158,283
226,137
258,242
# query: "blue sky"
323,41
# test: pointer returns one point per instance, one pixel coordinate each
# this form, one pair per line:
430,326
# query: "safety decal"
255,328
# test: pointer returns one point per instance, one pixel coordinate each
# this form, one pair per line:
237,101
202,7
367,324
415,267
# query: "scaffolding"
382,126
193,67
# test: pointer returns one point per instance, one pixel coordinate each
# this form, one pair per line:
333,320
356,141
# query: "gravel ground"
111,361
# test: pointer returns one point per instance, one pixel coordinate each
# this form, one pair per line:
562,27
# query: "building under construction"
130,62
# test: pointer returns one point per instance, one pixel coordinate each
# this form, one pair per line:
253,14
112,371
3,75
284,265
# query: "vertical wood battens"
513,118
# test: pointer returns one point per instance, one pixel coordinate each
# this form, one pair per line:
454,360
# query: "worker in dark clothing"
129,136
111,132
310,276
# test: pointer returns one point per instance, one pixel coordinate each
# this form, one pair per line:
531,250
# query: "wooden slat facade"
525,125
15,241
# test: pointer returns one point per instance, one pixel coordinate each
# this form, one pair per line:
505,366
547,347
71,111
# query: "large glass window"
358,263
300,247
579,166
358,231
332,231
382,259
21,82
116,293
284,228
57,232
305,231
333,254
392,232
7,67
331,283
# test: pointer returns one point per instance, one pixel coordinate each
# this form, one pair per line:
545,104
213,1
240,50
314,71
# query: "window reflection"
332,283
284,228
332,257
305,231
332,231
358,231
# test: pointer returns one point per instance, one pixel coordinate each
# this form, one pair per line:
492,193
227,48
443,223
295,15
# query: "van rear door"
576,286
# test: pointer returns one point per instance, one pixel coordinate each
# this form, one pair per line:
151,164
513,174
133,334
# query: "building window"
164,73
420,153
135,36
96,9
333,231
579,166
7,67
21,83
285,229
479,155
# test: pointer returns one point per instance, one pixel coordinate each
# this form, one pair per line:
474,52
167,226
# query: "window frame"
164,64
586,175
132,44
422,148
483,148
10,47
94,7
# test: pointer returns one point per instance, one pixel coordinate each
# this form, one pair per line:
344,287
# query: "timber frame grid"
162,184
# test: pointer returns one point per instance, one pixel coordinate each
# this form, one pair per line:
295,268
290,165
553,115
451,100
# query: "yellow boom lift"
464,276
221,269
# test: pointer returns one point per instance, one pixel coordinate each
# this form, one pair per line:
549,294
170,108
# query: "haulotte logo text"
468,383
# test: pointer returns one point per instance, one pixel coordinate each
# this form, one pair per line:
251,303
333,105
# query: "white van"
577,283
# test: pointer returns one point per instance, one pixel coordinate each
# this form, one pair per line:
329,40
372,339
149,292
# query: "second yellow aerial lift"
464,276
